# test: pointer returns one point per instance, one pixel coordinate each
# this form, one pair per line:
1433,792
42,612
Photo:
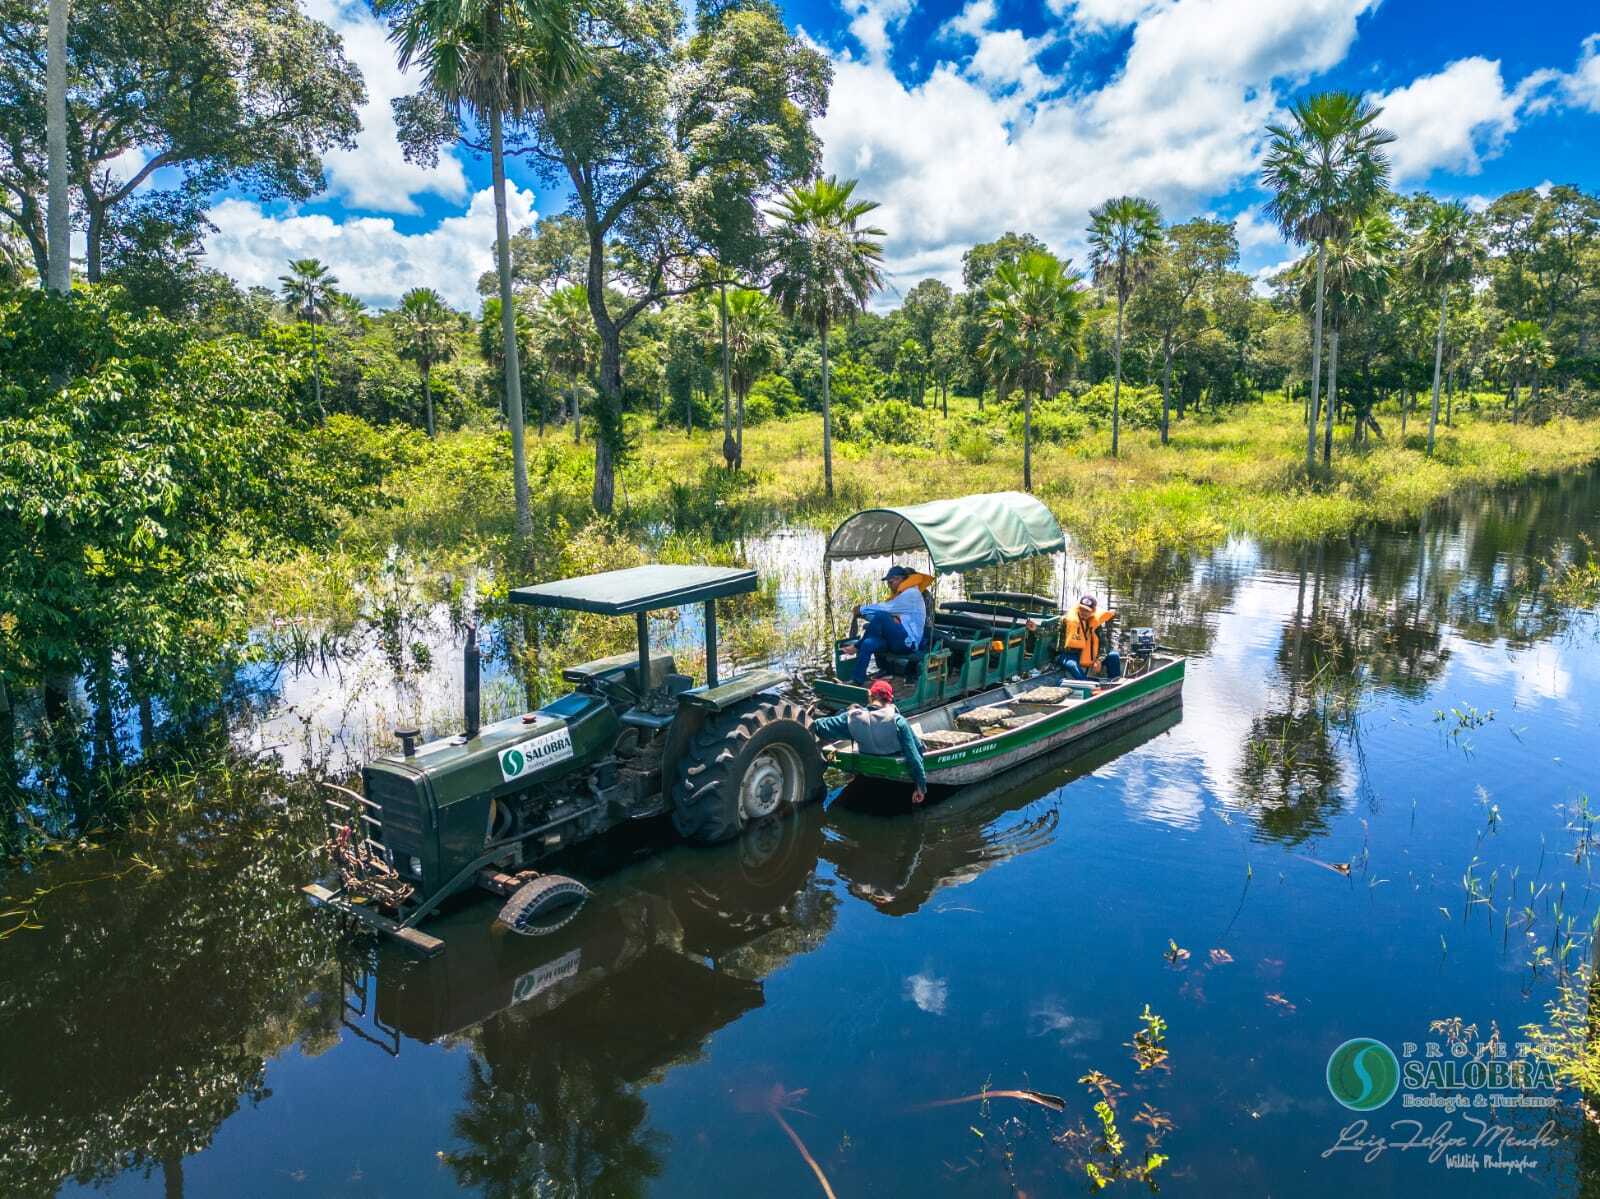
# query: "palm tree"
828,266
1446,253
1358,274
498,60
1124,239
308,293
426,329
58,213
1522,349
1324,169
751,330
566,332
1033,317
348,310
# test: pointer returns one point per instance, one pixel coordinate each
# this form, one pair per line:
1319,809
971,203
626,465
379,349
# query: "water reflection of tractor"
636,739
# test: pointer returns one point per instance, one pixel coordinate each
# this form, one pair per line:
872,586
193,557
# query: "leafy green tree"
1522,350
926,308
1034,317
130,496
977,265
426,329
1193,258
1359,269
544,257
754,345
828,266
493,60
670,146
309,292
947,355
1324,169
1124,240
1446,252
566,334
221,93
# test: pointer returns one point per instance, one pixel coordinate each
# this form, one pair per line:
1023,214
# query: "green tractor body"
635,739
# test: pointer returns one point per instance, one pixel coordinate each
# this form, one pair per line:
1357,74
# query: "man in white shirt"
894,626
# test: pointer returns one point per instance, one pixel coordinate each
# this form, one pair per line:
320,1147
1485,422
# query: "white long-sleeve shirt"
909,607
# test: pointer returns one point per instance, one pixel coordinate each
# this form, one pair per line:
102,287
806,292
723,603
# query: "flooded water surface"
1370,819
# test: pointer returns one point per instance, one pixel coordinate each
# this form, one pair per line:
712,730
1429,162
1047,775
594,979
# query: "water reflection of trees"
143,1013
570,1030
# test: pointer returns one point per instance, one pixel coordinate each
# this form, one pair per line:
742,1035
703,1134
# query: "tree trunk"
1438,365
728,450
1116,387
827,418
94,236
944,397
738,444
316,369
1166,388
508,330
1511,400
572,410
427,397
1027,437
1312,405
609,397
1333,397
172,1176
59,218
1449,396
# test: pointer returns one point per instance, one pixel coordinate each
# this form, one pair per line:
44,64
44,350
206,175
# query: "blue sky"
966,118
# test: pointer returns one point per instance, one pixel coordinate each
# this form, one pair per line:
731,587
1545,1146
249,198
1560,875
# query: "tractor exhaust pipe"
472,675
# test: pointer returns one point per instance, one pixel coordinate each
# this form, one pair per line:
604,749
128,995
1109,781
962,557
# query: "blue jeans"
883,632
1111,667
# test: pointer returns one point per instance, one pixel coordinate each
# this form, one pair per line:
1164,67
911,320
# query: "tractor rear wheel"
748,763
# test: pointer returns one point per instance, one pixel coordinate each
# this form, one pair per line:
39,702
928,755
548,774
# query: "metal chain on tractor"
363,873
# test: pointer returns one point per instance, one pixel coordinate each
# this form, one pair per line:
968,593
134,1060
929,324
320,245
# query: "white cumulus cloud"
977,148
375,175
1456,118
1582,86
369,256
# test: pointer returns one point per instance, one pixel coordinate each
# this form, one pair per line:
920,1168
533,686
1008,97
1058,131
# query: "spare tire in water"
749,763
543,904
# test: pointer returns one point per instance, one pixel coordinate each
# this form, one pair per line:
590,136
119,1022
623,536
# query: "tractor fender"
701,704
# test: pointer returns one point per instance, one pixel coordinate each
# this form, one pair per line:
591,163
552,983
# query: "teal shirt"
834,728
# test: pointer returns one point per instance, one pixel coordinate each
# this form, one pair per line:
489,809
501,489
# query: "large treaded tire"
749,763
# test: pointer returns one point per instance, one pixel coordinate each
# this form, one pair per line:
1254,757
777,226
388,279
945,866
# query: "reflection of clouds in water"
1050,1019
929,993
1537,674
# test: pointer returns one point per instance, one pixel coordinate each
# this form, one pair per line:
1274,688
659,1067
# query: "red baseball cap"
881,689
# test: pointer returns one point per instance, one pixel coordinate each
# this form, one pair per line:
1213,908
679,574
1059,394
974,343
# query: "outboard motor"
1142,644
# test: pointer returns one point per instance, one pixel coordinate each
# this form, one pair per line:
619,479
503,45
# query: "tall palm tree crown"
1124,237
1324,169
1032,322
426,328
827,266
310,292
1124,241
1447,251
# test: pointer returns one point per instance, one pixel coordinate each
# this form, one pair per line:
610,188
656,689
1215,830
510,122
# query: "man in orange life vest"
1080,637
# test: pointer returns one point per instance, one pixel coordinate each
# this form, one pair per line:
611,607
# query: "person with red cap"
879,728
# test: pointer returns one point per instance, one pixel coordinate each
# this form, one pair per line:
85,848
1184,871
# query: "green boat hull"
1080,722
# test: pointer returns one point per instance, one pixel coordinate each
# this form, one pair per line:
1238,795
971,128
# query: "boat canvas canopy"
958,535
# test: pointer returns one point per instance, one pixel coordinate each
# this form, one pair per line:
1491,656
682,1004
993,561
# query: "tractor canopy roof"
959,534
638,589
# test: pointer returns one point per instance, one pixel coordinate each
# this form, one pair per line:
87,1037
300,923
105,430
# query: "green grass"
450,506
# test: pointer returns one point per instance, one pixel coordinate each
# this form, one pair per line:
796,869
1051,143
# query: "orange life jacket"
1082,634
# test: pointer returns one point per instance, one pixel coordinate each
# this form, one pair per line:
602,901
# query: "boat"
986,640
981,735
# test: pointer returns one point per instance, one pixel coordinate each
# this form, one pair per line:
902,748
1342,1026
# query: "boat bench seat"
1046,695
978,719
945,738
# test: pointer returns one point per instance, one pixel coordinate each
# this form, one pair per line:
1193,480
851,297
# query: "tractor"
634,739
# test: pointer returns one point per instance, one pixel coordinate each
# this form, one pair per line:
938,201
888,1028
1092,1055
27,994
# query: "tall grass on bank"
449,506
